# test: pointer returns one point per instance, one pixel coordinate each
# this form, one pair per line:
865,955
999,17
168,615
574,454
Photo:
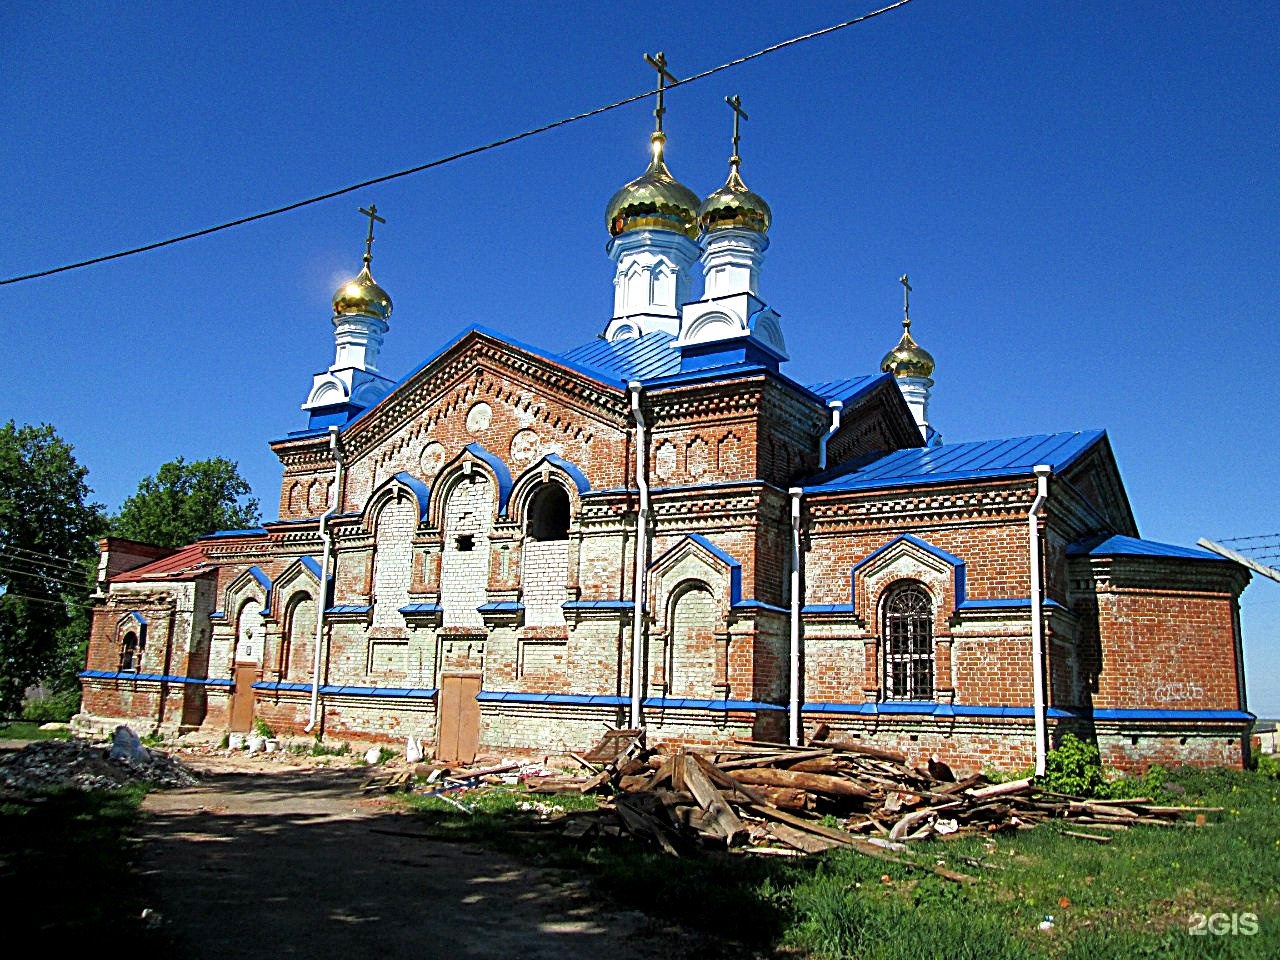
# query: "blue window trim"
735,568
950,559
500,471
570,468
420,491
828,608
422,608
597,605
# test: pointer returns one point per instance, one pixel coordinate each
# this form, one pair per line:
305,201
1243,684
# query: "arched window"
545,562
393,561
299,635
249,632
908,644
129,653
692,662
464,565
549,513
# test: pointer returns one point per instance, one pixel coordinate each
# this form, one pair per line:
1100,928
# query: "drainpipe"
642,560
797,599
335,447
1042,472
835,406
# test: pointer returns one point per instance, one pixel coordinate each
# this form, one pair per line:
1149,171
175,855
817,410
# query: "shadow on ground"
293,863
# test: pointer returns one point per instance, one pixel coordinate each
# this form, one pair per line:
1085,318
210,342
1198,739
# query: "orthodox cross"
906,300
659,63
735,104
372,214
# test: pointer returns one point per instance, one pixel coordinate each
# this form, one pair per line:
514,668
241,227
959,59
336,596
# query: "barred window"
908,644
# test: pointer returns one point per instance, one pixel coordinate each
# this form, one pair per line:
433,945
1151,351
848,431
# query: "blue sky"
1085,196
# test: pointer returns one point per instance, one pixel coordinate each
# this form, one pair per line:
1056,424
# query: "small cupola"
653,223
912,367
361,311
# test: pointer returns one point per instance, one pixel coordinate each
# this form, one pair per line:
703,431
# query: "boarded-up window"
546,556
393,561
299,638
693,653
464,567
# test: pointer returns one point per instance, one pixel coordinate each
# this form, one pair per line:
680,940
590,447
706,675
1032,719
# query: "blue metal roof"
978,460
848,389
1121,546
636,358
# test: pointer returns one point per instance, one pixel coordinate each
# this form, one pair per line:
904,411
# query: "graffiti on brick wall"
1176,692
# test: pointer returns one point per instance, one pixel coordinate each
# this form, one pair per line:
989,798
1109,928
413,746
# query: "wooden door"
458,724
242,701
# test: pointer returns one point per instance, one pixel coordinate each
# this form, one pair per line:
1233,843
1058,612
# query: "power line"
36,575
544,128
32,556
56,603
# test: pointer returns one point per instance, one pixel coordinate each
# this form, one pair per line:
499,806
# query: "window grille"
908,644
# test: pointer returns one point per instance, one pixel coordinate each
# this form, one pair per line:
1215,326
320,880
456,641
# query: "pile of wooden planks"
772,798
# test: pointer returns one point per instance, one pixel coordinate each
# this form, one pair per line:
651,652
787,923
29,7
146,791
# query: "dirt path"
285,862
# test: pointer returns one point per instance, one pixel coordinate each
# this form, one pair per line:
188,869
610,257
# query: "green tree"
185,501
47,533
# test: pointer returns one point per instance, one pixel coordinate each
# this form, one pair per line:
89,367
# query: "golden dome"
362,296
733,205
908,358
654,201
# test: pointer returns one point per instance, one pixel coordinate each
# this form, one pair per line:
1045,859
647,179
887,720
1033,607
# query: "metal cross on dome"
372,214
659,63
906,299
735,104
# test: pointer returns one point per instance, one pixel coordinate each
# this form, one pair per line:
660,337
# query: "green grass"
29,730
1133,897
65,871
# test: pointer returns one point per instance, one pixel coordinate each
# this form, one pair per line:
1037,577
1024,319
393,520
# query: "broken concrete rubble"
80,765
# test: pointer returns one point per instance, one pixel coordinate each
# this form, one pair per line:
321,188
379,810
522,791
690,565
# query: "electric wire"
31,575
55,603
460,155
66,560
22,556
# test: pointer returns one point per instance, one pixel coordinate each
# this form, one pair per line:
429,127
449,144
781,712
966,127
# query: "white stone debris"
81,765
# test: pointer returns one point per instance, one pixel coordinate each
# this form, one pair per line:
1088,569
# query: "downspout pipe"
642,556
1042,472
797,600
335,447
835,406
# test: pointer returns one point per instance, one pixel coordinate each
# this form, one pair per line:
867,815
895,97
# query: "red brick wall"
1166,650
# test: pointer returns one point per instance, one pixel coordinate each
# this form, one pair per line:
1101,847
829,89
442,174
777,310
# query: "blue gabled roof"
1122,546
978,460
848,389
636,358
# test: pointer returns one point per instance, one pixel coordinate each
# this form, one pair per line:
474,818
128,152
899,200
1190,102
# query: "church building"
510,549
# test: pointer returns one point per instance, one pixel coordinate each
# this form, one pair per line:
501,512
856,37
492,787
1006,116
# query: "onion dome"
908,358
733,205
654,201
362,297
